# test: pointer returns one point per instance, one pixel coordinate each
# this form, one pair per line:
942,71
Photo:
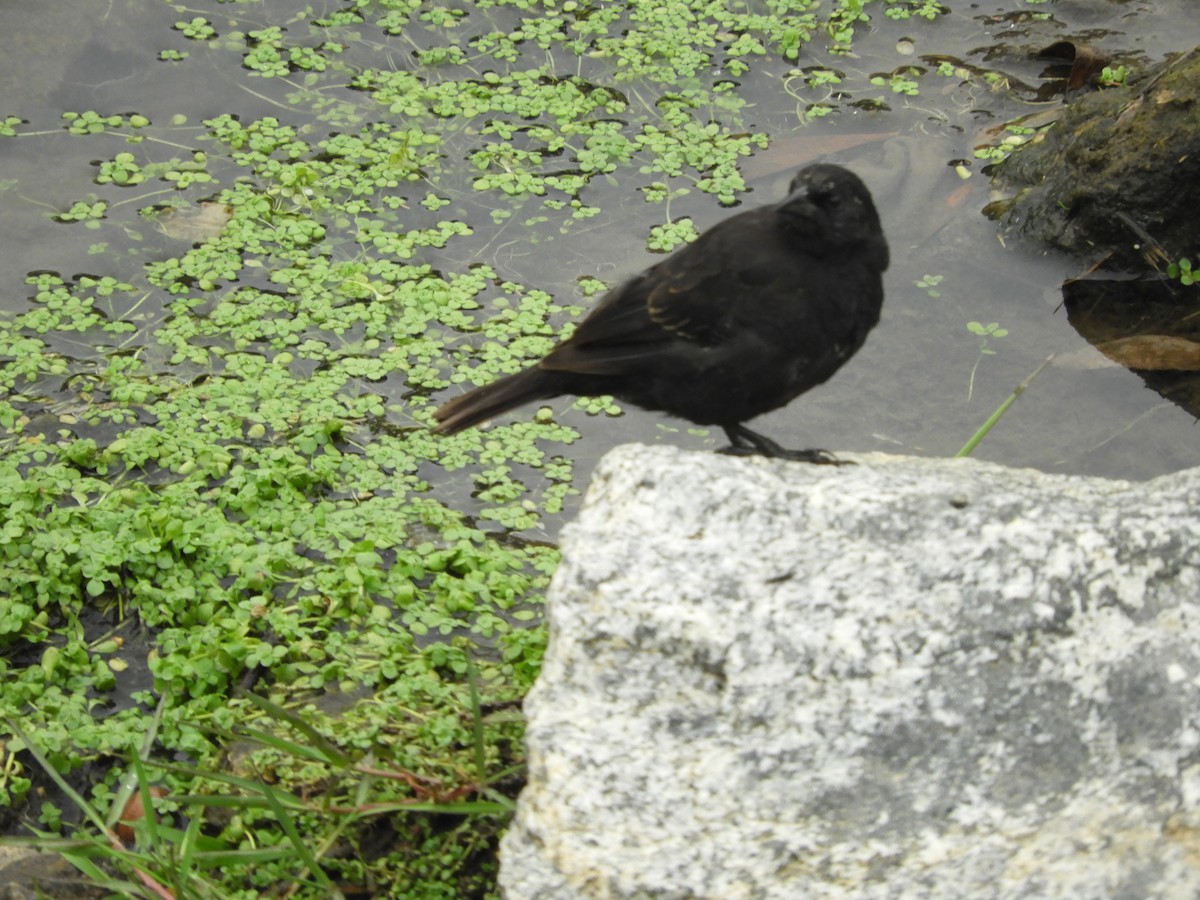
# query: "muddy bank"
1115,179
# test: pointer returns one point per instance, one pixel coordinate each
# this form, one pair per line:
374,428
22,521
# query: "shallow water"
921,385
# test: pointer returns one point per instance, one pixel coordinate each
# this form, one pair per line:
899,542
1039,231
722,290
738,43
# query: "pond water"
942,359
269,237
922,385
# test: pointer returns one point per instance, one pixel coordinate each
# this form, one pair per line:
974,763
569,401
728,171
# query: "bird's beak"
798,204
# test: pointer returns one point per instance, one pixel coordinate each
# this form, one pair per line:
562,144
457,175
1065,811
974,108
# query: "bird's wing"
692,296
616,334
701,292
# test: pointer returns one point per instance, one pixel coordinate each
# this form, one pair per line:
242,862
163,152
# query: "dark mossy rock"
1119,172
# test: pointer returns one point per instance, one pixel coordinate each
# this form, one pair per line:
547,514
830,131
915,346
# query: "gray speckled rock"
907,678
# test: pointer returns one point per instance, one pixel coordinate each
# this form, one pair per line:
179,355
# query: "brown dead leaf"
134,810
1154,352
787,153
959,195
195,224
1085,60
1087,65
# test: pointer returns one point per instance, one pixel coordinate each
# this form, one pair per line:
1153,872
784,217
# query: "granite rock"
907,678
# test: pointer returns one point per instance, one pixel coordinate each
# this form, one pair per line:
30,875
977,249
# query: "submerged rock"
1116,174
904,678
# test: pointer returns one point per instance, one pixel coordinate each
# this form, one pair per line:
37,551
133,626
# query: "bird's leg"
744,442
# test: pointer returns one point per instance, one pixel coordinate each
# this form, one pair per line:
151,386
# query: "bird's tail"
492,399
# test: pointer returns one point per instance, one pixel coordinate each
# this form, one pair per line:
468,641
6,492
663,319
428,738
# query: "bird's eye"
825,195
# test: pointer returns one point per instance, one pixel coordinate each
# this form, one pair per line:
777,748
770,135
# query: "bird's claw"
816,457
744,442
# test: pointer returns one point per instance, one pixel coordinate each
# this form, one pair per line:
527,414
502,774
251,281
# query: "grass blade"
969,446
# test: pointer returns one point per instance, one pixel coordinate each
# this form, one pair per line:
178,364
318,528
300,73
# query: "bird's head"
831,210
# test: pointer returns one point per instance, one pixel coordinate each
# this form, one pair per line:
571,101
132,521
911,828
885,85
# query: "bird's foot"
816,457
744,442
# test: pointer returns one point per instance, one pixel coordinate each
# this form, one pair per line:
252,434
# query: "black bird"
762,307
